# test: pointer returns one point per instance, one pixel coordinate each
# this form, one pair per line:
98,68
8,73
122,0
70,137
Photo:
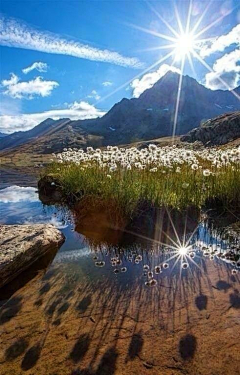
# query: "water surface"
93,309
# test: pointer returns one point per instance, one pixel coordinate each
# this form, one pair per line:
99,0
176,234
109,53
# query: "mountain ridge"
20,137
152,114
147,117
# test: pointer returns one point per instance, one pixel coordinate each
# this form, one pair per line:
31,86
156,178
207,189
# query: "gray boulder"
22,245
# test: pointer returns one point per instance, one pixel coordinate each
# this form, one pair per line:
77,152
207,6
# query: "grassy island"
171,176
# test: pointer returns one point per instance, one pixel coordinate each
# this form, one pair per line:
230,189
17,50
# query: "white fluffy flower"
194,167
206,172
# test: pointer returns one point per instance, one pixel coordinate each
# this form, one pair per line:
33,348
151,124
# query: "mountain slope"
148,117
40,130
152,114
218,131
55,139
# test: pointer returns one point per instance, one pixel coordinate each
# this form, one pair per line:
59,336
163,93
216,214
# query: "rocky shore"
22,245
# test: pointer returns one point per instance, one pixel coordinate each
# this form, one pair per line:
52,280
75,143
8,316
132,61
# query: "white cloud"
139,85
27,90
219,44
10,82
214,80
225,69
75,111
107,83
94,95
40,66
228,62
15,34
15,194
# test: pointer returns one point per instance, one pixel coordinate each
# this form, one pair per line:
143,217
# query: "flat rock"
22,245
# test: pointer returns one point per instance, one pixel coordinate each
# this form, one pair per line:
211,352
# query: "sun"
184,45
182,250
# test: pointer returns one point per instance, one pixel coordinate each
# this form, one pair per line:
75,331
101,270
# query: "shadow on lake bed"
86,312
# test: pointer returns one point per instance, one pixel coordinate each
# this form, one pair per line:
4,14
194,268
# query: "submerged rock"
23,245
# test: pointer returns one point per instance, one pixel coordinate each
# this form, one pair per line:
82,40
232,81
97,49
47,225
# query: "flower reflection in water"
160,260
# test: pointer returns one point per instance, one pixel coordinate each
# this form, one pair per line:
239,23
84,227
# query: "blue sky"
78,58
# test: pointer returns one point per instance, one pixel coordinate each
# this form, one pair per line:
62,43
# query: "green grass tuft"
164,186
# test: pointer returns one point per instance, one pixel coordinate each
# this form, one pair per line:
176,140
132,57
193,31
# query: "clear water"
21,205
88,280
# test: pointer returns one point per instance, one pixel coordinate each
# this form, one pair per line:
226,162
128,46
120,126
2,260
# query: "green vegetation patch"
171,176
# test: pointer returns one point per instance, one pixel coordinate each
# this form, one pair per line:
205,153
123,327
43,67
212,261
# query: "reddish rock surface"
68,323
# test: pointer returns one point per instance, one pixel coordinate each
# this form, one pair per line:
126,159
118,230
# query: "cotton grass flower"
160,175
194,167
206,172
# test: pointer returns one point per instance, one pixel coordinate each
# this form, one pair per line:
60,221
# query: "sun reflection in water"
183,254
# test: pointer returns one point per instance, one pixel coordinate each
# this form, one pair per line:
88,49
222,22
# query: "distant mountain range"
147,117
42,130
2,135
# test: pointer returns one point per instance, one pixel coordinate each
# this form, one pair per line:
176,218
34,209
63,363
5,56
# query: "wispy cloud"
107,83
15,34
75,111
139,85
94,95
28,90
39,66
